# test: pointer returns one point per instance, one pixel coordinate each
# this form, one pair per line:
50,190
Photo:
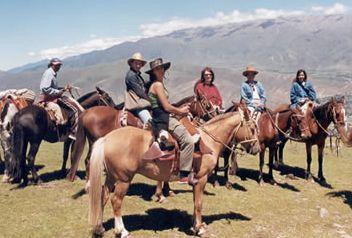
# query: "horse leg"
272,151
199,228
120,191
167,190
86,161
33,150
320,159
215,174
281,153
261,164
158,195
309,161
67,145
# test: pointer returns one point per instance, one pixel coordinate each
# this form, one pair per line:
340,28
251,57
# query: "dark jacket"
136,83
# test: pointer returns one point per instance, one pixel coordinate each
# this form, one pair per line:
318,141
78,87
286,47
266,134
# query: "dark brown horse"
272,126
31,125
320,118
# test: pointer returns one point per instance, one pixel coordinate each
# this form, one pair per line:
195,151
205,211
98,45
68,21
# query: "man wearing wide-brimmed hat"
135,83
252,91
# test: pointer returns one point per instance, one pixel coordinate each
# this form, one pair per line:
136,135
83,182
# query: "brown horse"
272,126
96,122
121,153
319,120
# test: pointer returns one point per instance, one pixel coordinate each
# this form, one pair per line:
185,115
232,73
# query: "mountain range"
276,47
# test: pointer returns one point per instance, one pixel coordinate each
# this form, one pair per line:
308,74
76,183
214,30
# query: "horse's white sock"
120,227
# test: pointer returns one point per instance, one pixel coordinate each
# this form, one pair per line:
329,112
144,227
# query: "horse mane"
183,101
221,117
321,111
120,106
85,96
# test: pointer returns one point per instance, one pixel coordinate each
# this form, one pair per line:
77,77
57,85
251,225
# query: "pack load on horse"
121,161
12,100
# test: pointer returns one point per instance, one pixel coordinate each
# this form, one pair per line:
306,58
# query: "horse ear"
333,99
342,99
98,89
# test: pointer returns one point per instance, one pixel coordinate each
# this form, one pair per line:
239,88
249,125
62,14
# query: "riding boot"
74,123
164,142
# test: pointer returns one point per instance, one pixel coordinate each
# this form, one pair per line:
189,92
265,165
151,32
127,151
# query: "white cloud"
84,47
154,29
220,18
337,8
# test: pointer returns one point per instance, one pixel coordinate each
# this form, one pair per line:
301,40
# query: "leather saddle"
56,113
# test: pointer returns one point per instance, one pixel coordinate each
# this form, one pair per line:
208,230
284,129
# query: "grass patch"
293,208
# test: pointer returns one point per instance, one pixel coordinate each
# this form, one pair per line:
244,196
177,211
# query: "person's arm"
45,85
311,92
244,95
218,96
132,84
159,91
262,94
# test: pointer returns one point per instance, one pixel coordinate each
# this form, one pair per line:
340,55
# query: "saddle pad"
55,112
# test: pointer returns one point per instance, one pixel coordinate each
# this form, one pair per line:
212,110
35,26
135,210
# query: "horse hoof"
261,182
272,182
228,185
5,178
39,182
99,231
162,199
172,193
201,231
216,184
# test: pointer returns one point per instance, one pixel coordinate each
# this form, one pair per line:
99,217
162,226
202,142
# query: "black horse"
32,125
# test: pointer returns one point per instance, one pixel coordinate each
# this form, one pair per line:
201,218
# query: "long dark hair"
152,79
202,78
301,71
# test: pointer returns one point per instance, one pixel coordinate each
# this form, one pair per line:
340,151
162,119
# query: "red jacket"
211,93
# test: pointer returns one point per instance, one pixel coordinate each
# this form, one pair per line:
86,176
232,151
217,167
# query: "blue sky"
33,30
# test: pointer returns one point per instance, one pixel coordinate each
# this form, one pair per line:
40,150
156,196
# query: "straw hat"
136,56
249,69
156,63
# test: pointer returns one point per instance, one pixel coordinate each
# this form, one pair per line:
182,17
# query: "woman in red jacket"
205,86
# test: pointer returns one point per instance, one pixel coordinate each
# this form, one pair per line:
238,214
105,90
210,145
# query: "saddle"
56,114
154,152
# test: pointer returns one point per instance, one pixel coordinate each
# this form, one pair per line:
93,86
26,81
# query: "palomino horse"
9,106
320,118
121,153
272,126
31,125
98,121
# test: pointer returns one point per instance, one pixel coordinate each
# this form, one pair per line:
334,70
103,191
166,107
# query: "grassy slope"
294,208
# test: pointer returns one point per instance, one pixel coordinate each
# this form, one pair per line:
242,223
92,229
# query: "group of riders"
151,101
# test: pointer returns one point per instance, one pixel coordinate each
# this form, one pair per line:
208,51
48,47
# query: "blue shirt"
247,93
48,83
299,93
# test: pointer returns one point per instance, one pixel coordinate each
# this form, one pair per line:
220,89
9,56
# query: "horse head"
247,133
203,108
337,110
105,97
302,119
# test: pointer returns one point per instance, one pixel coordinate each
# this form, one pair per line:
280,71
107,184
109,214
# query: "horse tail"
77,148
16,171
95,190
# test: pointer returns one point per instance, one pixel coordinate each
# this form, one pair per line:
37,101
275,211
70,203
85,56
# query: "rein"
287,135
234,147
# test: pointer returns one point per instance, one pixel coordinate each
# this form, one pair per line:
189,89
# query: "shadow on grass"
57,175
300,173
222,182
346,195
245,174
160,219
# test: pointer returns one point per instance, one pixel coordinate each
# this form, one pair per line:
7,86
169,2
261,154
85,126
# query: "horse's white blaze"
120,227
